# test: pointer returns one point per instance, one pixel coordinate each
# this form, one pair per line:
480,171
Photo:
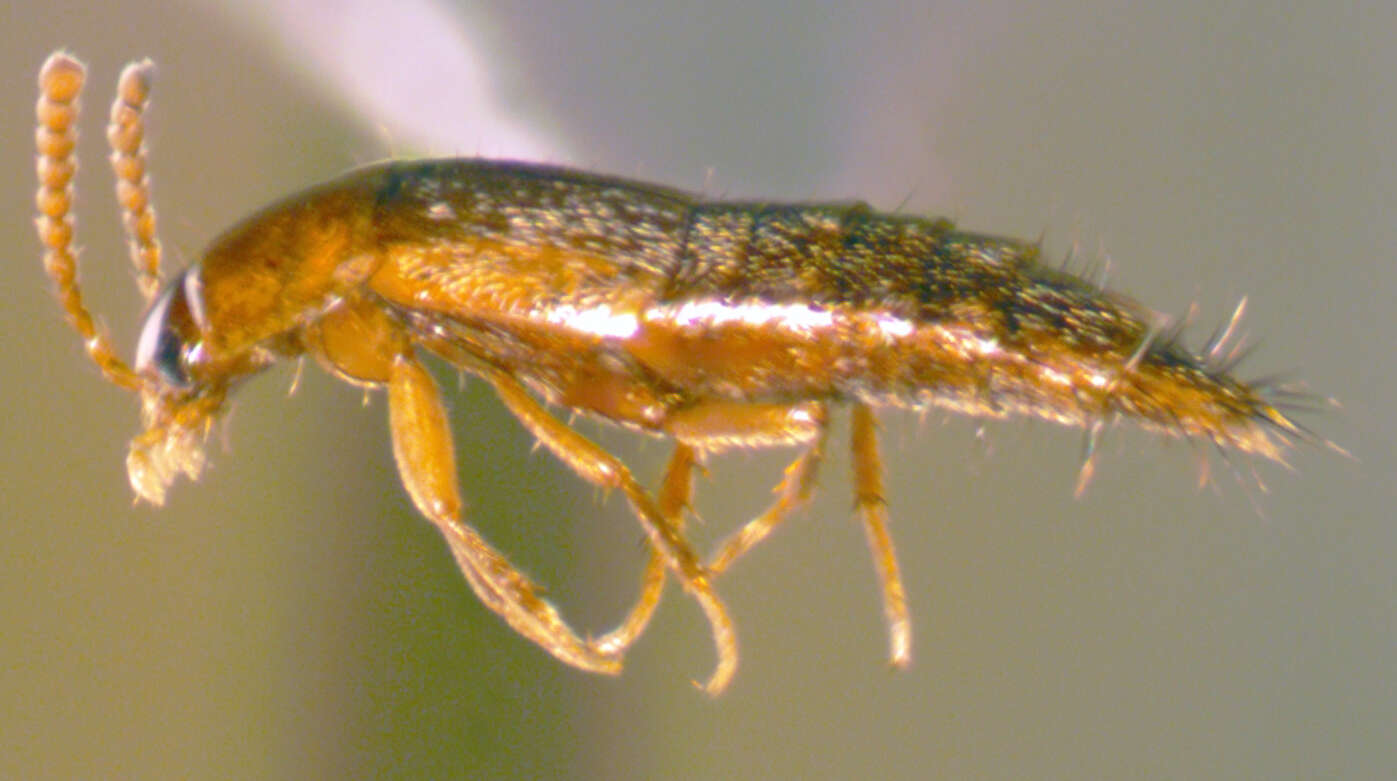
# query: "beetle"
716,324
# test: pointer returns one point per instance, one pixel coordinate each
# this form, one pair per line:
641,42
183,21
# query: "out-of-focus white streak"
410,66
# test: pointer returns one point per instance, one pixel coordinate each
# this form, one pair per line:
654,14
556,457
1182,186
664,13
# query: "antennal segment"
126,136
60,84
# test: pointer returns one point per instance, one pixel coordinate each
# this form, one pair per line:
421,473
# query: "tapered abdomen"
663,300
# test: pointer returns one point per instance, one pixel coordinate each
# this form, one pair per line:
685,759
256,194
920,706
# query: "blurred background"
290,616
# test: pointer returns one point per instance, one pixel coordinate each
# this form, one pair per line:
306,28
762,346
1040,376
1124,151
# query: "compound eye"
162,345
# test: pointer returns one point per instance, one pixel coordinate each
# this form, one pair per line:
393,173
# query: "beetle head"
180,397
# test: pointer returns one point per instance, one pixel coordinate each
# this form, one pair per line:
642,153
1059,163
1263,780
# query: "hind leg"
872,510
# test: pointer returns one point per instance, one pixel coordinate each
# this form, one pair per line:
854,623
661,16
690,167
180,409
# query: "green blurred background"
290,617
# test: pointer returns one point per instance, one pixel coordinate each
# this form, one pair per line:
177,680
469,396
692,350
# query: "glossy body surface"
638,303
717,324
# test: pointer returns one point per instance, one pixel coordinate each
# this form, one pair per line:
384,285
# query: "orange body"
716,324
640,304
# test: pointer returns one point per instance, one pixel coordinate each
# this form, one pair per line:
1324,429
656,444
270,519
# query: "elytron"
715,324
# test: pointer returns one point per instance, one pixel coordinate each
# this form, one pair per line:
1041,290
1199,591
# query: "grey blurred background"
290,616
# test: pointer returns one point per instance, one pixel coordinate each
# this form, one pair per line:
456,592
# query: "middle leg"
597,466
675,497
719,426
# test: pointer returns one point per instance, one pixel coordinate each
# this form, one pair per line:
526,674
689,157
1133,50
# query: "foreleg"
426,460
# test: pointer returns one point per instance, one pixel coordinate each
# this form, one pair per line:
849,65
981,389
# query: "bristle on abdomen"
1025,339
